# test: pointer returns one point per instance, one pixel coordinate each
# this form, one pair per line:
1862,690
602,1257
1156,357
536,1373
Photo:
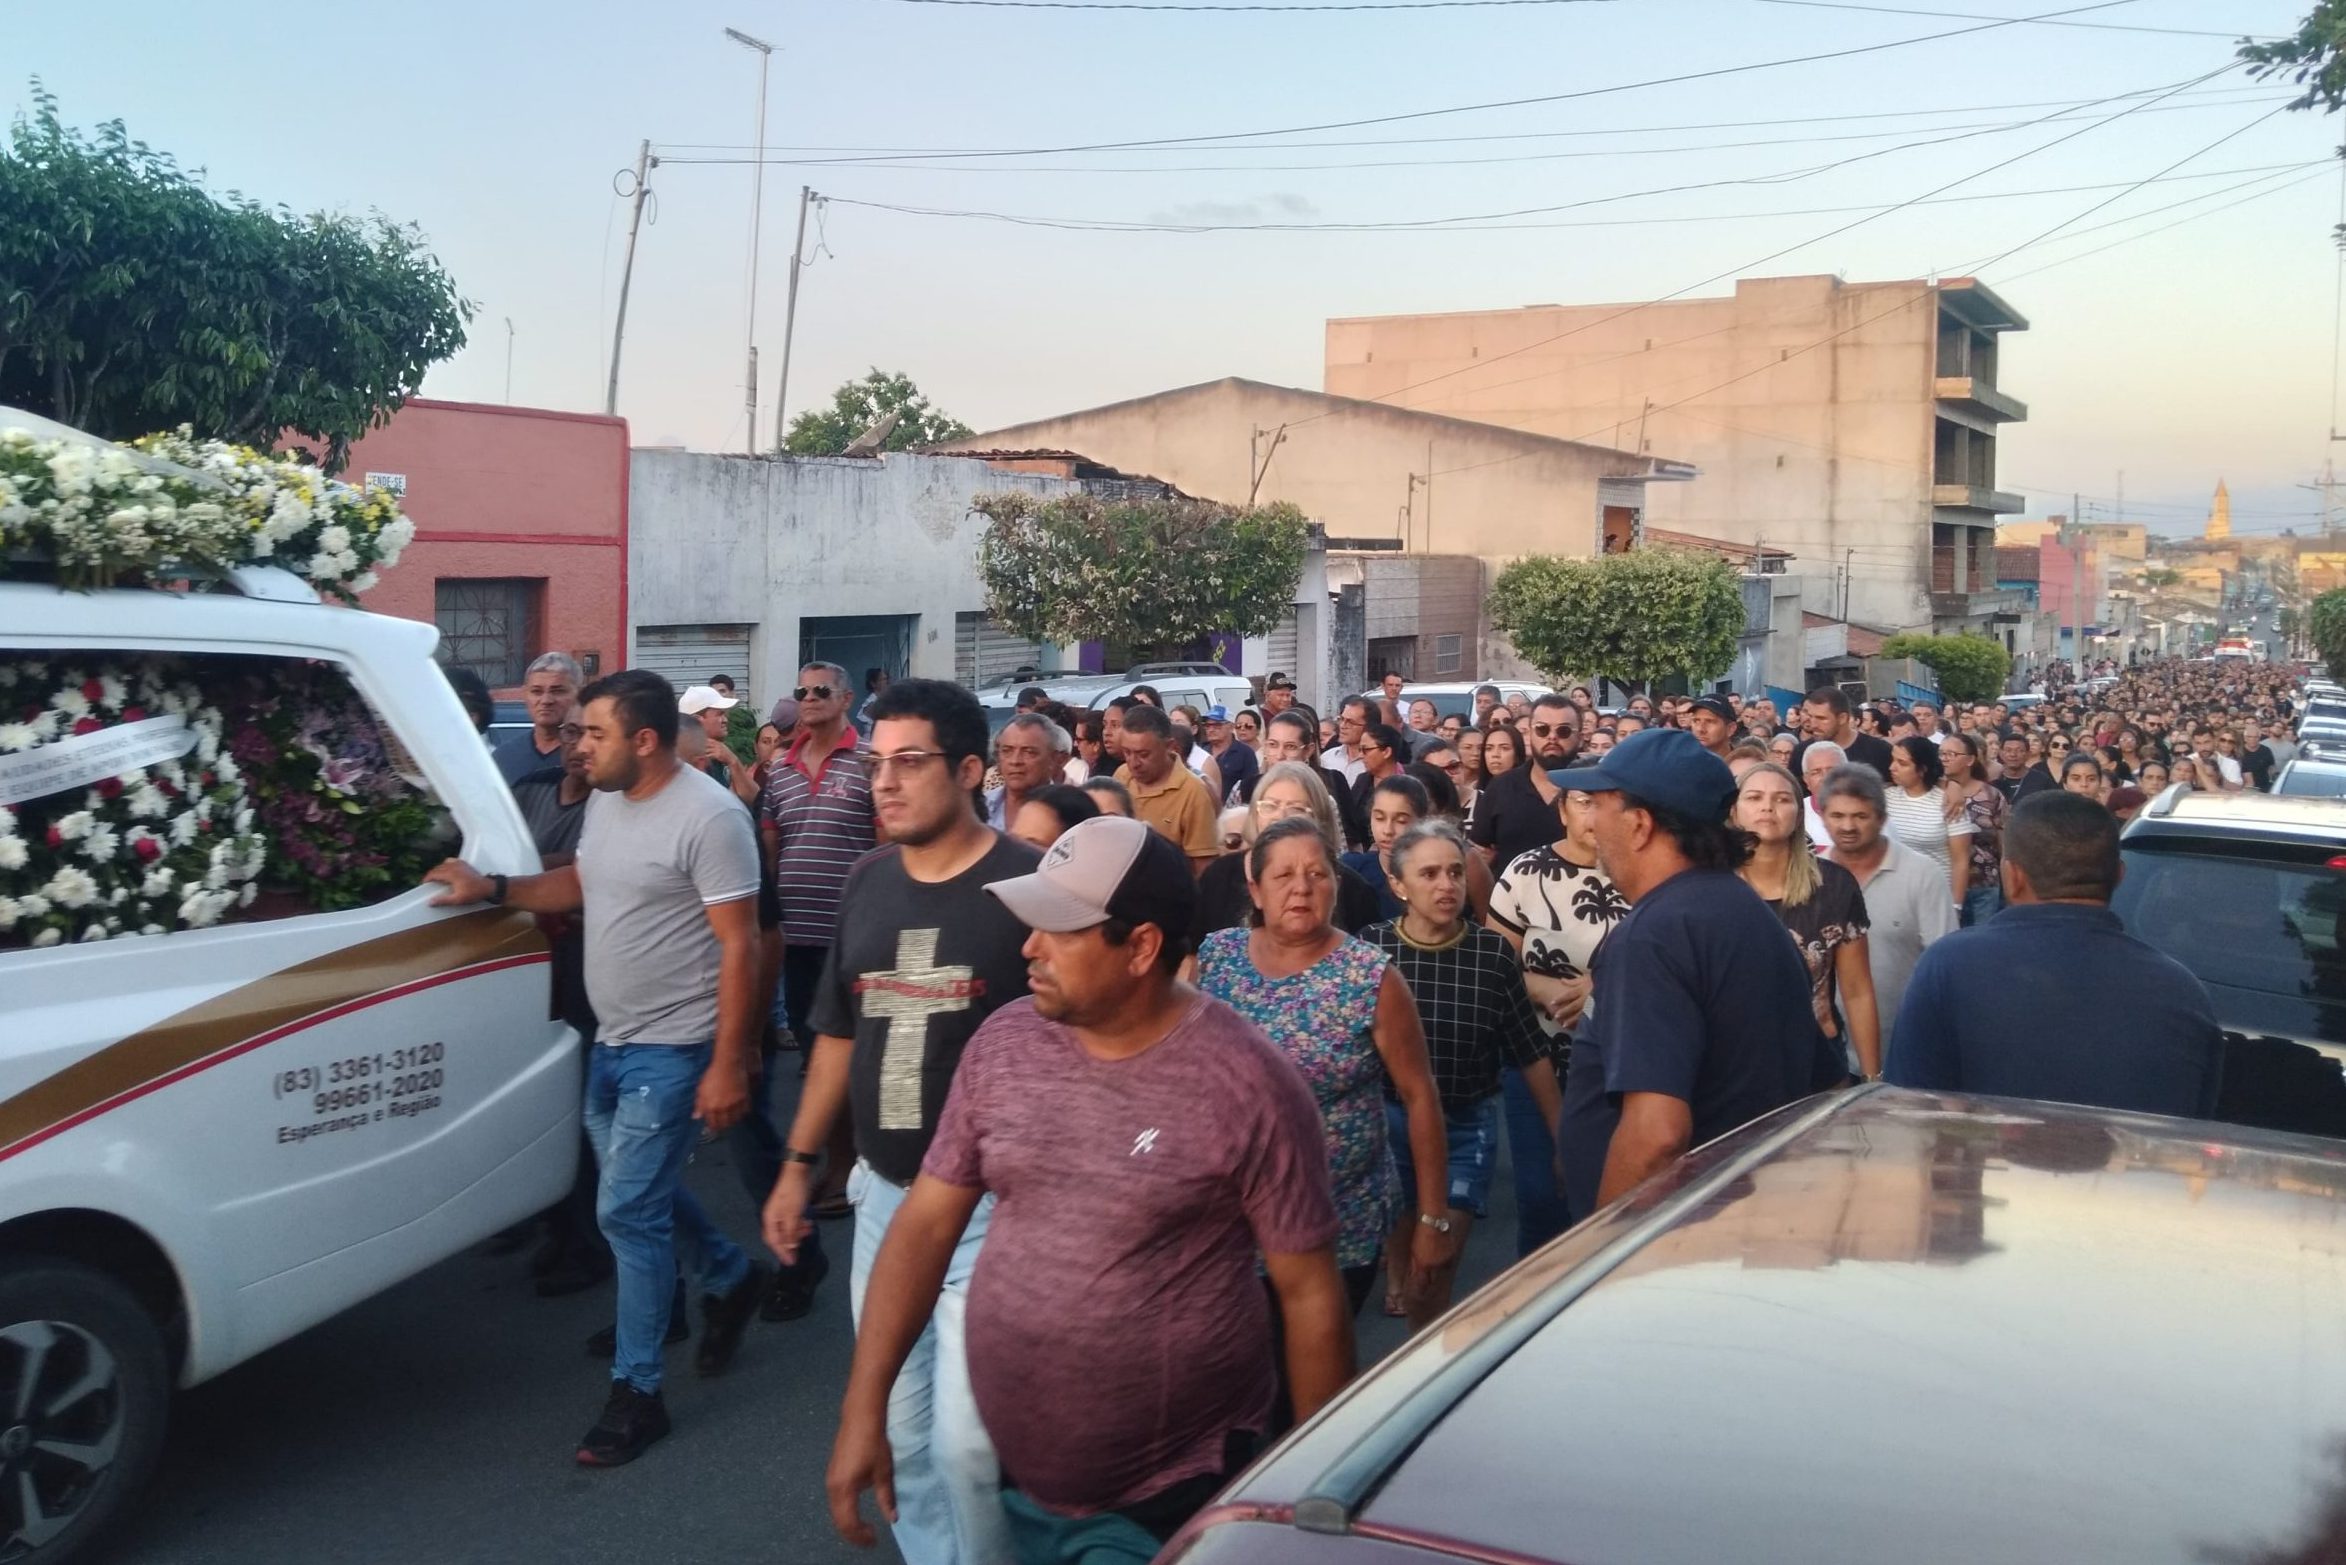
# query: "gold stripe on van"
251,1014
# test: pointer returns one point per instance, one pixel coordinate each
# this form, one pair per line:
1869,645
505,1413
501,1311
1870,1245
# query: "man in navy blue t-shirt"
2052,998
1703,1019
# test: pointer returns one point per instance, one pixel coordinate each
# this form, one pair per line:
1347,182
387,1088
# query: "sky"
2160,358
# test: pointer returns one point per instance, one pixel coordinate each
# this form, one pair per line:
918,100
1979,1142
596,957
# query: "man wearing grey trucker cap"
1143,1143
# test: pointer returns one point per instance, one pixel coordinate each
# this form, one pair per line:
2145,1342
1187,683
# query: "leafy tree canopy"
2325,623
859,404
1146,573
1631,618
1969,668
132,299
2310,58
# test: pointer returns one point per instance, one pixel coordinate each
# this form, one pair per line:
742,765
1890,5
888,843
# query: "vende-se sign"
395,482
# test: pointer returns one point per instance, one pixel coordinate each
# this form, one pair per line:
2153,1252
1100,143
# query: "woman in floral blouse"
1338,1010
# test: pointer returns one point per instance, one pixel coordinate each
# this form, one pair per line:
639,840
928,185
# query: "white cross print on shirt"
908,996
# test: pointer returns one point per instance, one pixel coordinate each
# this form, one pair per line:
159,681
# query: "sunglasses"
1554,730
813,693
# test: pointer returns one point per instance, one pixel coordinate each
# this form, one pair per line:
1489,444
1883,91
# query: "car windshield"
2313,782
2250,923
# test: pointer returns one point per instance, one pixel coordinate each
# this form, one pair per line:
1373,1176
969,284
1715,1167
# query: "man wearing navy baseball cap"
1706,1021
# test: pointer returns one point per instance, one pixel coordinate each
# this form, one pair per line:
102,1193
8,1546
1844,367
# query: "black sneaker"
792,1292
724,1317
631,1421
604,1343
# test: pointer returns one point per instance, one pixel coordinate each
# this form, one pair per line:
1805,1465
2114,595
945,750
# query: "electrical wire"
1167,5
1578,94
2112,27
2194,217
1510,135
776,159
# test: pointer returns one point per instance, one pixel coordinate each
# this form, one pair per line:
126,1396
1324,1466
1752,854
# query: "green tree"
132,299
1969,668
2313,57
859,404
1147,573
2325,624
1631,618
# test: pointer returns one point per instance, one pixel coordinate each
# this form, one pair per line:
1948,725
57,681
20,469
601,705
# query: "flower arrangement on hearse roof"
143,793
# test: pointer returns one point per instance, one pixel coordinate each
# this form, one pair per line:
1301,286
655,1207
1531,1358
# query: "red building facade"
521,532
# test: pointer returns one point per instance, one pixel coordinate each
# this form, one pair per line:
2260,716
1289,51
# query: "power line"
1154,5
1142,226
1509,135
910,163
1566,97
2274,190
2111,27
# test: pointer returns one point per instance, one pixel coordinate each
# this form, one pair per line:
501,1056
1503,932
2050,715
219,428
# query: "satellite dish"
871,440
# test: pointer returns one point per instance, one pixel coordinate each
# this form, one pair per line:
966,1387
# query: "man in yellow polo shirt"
1165,793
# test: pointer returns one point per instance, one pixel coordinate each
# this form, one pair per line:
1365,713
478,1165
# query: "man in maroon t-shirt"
1143,1144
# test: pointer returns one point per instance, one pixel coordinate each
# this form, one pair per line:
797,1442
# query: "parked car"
220,1132
2248,890
1878,1325
2315,774
1459,698
1177,684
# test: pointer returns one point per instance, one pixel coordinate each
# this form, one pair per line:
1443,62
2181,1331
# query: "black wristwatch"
497,885
793,1155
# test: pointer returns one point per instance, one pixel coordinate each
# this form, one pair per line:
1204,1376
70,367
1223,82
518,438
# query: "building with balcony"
1855,424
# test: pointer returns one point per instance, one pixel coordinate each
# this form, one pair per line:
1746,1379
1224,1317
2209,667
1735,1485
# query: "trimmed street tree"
1151,574
859,404
2313,57
132,299
1969,668
2325,625
1631,618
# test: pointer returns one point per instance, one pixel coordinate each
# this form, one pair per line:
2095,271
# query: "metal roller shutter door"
1283,647
693,654
985,653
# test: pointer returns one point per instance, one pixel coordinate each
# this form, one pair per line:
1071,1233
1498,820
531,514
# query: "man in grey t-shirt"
667,880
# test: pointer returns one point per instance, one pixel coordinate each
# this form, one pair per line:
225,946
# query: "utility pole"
790,320
509,361
644,164
757,196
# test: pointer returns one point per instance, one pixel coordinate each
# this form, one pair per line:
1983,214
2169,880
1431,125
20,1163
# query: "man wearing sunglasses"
814,822
1516,812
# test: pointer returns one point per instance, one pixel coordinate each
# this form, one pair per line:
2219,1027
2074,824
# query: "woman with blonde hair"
1290,789
1823,906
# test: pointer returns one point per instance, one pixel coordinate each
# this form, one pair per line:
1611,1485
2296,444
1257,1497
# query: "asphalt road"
437,1421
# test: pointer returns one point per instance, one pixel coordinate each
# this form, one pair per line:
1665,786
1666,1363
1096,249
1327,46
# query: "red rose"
92,691
109,787
56,838
134,714
148,849
86,725
166,788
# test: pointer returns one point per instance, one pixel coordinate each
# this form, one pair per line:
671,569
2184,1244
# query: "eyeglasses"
813,693
571,731
903,760
1554,730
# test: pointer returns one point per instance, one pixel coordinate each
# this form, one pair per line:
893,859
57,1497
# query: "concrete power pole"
790,321
757,198
644,164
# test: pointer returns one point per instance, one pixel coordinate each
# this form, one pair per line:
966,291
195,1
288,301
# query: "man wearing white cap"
707,706
1142,1143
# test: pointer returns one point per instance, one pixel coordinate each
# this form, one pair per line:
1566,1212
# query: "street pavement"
436,1422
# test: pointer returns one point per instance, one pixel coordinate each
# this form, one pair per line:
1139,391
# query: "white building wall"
771,541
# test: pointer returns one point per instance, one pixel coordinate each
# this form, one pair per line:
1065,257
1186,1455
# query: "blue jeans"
1540,1212
1982,903
948,1480
639,1121
1472,1135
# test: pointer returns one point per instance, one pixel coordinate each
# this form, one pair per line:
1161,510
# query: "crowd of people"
1146,1047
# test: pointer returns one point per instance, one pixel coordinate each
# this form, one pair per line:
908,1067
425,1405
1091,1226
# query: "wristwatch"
497,884
1440,1225
793,1155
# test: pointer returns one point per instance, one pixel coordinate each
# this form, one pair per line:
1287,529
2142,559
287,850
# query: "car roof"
1879,1325
2181,811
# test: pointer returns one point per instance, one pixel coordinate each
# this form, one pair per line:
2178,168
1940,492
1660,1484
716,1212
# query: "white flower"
152,929
228,771
32,904
76,826
146,801
183,828
13,853
7,821
8,913
334,539
322,567
364,581
17,736
46,938
71,701
157,883
99,845
196,910
110,689
94,932
72,887
244,898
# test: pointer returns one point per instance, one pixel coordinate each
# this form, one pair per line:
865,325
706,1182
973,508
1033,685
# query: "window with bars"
488,625
1449,654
